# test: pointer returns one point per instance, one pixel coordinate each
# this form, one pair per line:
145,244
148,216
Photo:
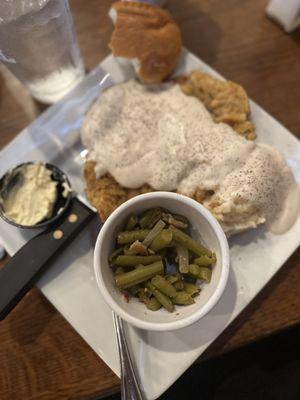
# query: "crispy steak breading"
105,194
225,100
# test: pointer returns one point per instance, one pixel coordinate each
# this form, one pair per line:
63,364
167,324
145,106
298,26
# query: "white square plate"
70,285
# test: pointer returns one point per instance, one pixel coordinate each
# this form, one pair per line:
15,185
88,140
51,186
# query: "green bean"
190,279
144,294
138,262
177,221
179,276
154,232
194,270
183,258
131,236
178,285
128,252
181,218
134,290
150,218
164,286
139,275
162,240
205,261
205,274
115,254
162,298
131,261
139,266
131,223
171,278
153,304
191,289
183,298
200,272
119,270
189,242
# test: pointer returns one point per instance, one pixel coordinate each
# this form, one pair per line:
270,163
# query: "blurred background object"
159,3
38,45
286,12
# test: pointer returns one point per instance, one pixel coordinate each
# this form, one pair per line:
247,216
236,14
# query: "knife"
22,271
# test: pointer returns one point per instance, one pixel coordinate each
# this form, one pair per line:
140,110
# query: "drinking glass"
38,45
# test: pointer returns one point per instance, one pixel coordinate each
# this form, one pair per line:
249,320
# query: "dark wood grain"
41,356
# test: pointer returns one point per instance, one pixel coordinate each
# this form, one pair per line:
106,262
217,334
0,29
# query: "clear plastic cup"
38,45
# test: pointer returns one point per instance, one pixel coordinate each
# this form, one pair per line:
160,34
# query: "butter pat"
31,199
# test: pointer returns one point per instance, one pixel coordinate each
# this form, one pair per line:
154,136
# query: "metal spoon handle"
130,389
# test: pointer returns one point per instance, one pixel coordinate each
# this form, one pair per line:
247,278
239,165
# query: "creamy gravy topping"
158,135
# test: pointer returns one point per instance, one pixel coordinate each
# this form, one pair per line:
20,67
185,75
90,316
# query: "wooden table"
41,356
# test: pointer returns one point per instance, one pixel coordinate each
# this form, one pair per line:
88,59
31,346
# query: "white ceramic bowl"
203,224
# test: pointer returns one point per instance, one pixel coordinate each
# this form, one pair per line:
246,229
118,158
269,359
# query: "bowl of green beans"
161,261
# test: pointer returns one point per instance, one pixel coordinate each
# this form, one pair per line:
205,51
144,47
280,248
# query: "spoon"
68,218
130,389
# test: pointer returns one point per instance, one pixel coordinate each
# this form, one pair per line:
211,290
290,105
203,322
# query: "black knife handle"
21,272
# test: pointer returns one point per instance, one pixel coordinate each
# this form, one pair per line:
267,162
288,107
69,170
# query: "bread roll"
148,36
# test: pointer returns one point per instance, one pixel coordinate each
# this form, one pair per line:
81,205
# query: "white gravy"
158,135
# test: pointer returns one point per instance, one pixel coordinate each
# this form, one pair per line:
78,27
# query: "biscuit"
148,36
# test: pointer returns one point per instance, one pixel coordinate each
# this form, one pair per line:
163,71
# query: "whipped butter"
158,135
32,197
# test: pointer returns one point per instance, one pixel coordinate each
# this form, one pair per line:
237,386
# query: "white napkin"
286,12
